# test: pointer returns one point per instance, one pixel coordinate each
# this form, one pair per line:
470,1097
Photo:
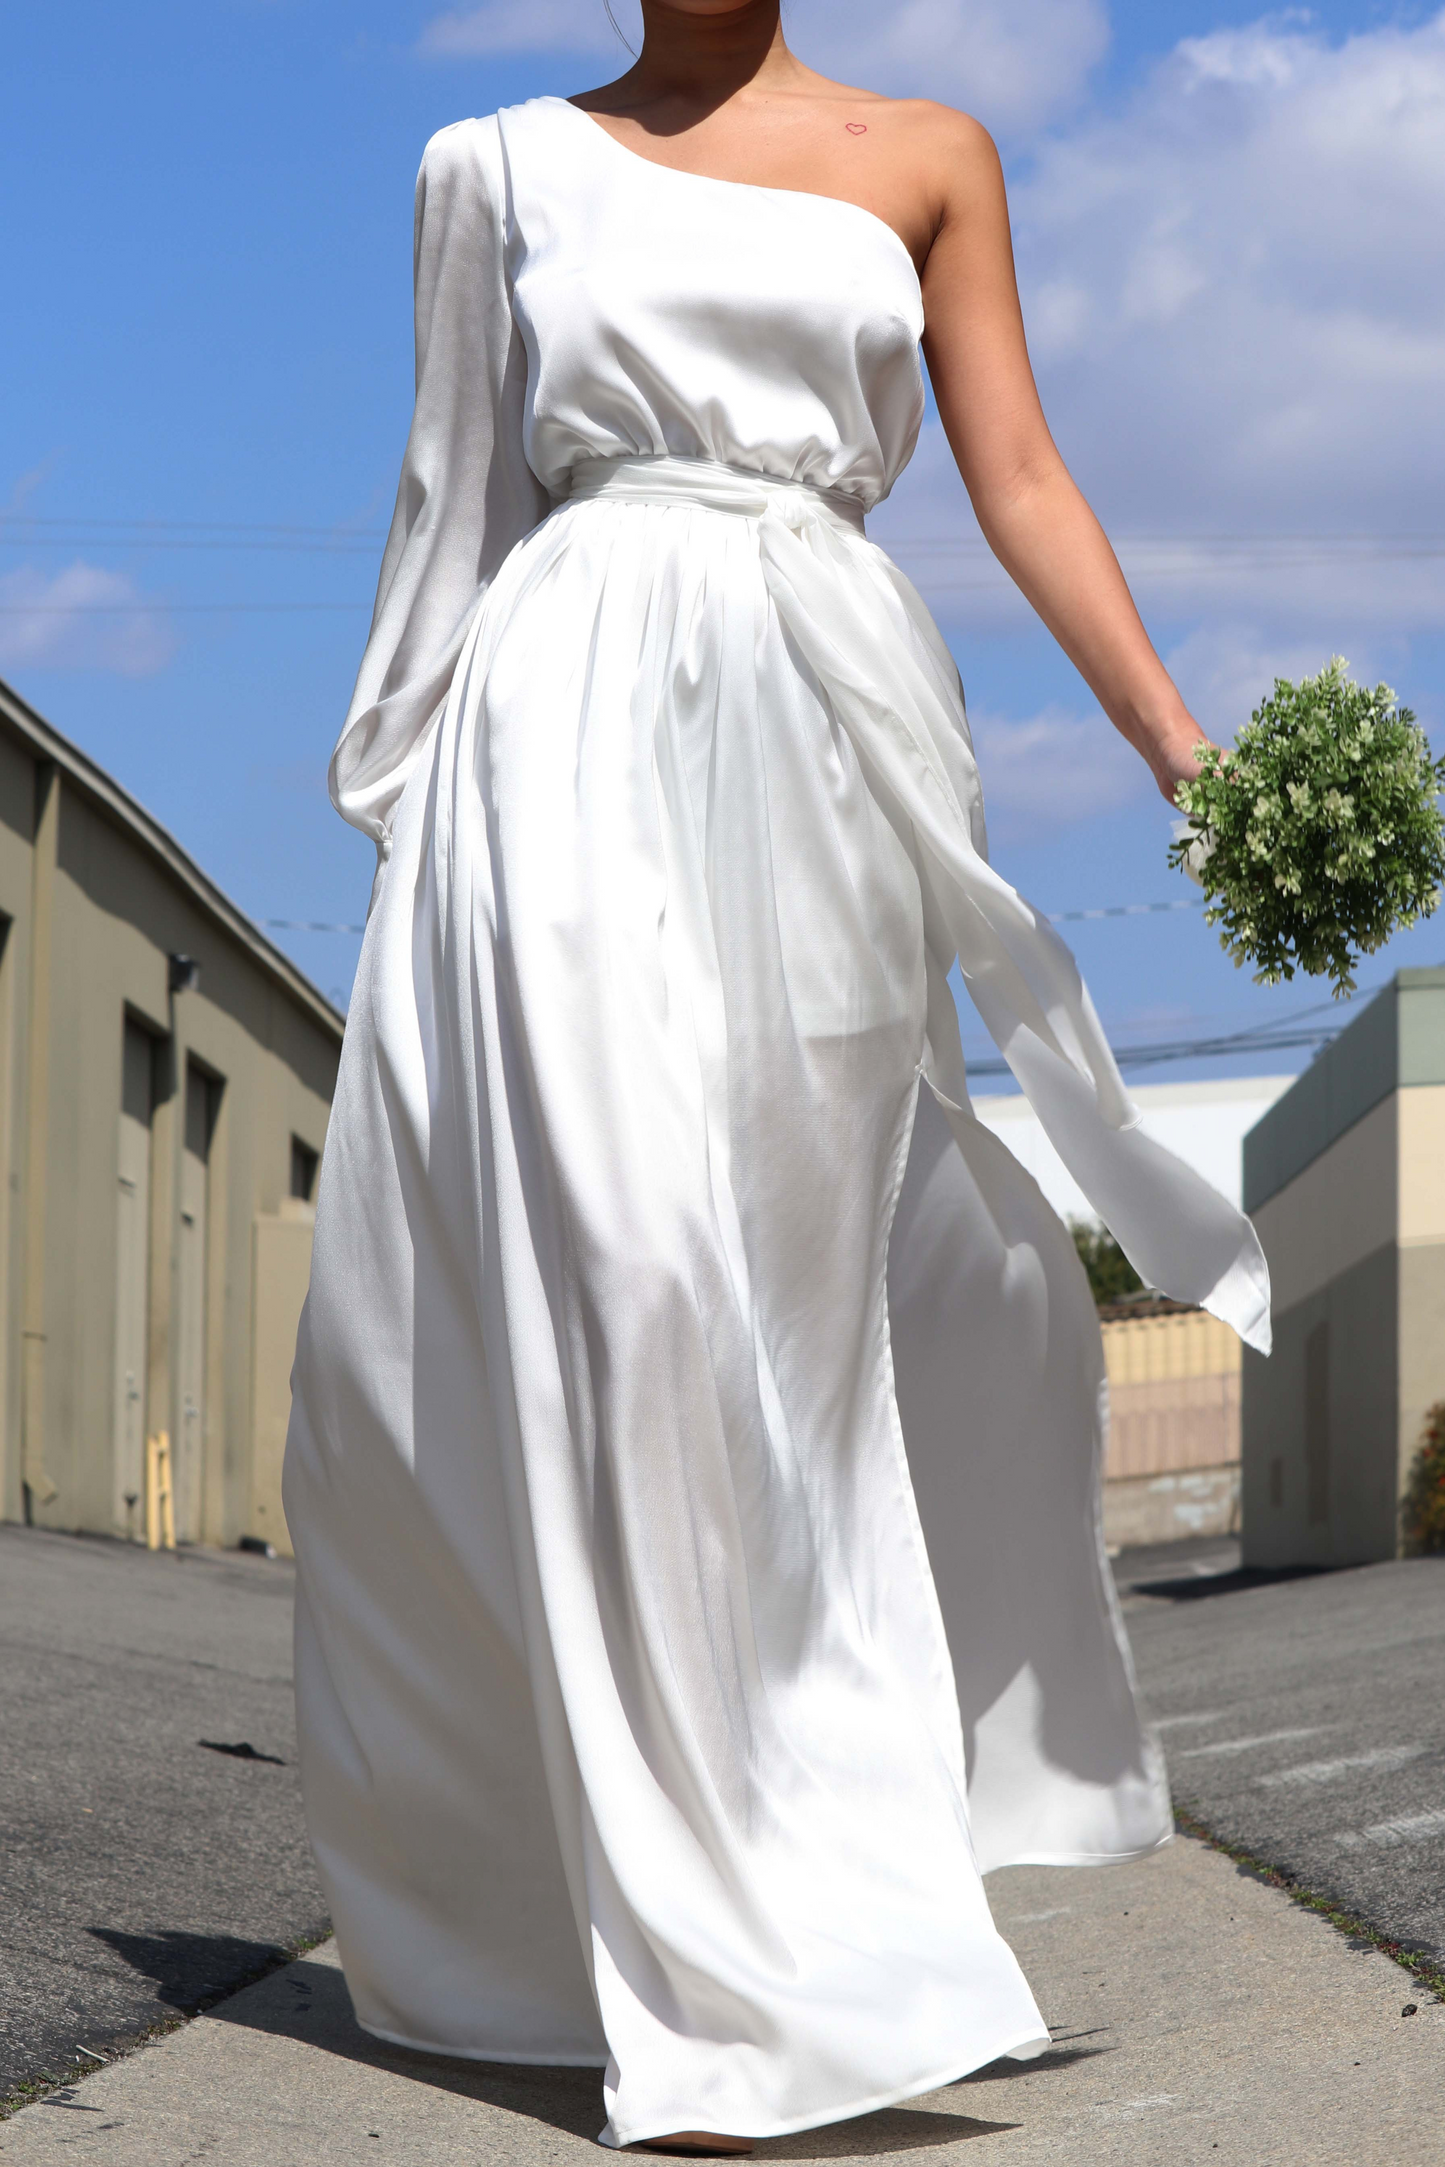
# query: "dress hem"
486,2054
917,2088
1081,1858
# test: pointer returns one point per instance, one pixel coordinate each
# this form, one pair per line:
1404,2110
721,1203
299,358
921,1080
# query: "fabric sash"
870,642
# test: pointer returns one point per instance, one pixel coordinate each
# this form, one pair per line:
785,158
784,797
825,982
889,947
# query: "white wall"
1204,1123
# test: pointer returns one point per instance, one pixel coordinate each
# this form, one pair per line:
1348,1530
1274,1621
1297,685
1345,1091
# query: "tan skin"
716,91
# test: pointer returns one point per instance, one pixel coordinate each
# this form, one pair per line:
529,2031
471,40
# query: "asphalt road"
143,1871
146,1872
1304,1720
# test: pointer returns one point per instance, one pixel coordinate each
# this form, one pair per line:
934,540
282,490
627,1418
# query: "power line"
36,530
340,531
1283,1037
1194,1049
193,526
146,541
998,580
1123,910
1291,1031
1057,917
154,608
1197,564
1425,544
308,925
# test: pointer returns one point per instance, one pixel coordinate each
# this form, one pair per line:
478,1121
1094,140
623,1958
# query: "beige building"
165,1079
1345,1179
1171,1468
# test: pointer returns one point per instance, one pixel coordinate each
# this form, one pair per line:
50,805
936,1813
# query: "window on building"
304,1162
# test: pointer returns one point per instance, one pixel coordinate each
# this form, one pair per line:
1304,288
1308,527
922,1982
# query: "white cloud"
1225,670
525,26
1322,589
1235,288
1052,771
1316,589
1235,292
82,618
1016,63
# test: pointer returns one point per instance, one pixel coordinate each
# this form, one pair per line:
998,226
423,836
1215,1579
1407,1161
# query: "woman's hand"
1173,760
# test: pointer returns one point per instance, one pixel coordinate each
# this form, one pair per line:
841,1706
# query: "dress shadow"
309,2001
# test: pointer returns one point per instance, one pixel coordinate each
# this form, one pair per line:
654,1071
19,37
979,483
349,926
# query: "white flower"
1200,850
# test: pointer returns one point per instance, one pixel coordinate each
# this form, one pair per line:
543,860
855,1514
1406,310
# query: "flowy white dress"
695,1447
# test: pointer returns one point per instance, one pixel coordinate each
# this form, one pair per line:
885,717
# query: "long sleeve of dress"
466,493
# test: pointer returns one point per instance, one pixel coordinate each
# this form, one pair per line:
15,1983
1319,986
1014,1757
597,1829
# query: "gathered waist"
668,478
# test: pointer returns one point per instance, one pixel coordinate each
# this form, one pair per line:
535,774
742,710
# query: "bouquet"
1318,835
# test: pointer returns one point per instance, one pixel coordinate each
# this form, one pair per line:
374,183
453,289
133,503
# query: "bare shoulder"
934,169
938,128
951,155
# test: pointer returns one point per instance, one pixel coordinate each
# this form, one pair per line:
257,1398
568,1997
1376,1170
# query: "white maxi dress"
694,1459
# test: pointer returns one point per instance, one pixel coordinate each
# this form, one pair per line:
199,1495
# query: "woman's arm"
1028,505
466,492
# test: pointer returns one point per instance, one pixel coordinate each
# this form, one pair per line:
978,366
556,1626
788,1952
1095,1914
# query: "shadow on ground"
1197,1586
311,2003
1060,2057
187,1970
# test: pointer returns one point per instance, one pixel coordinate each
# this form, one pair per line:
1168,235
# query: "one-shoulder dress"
695,1450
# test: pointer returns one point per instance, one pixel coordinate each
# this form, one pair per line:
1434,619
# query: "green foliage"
1111,1275
1319,835
1423,1512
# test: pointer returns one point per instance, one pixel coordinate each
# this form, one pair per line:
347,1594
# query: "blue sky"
1229,246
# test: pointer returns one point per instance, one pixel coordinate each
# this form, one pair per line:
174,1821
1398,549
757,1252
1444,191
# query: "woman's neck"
693,61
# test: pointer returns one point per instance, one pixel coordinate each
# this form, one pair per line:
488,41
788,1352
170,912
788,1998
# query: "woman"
694,1459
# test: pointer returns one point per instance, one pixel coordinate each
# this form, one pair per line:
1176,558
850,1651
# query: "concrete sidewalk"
1198,2016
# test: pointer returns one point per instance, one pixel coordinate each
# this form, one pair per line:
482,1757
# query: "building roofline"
1396,1041
20,720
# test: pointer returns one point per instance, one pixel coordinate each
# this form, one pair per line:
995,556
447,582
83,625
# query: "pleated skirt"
694,1460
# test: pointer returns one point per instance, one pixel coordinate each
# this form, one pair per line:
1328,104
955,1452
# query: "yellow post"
160,1497
168,1495
153,1494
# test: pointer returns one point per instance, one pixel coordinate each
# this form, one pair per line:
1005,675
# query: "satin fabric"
694,1460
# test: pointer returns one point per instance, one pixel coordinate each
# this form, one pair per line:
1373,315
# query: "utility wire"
342,536
1294,1032
156,607
990,576
1227,551
1291,1031
1057,917
1429,545
147,541
193,526
308,925
1123,910
1193,1049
